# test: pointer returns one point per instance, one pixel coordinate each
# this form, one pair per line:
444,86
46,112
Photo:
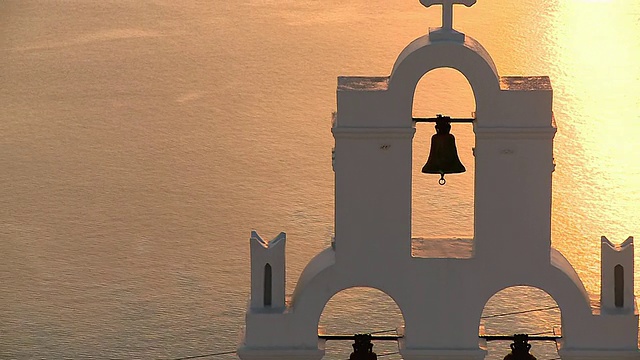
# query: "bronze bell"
520,348
443,155
363,348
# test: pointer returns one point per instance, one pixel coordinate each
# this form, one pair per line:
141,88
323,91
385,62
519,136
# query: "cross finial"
447,10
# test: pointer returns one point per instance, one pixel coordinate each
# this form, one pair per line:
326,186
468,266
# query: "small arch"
360,310
521,310
268,285
618,282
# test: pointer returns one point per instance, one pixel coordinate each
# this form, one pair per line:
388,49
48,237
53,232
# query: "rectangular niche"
442,248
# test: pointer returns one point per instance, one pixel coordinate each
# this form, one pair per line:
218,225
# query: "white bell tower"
442,298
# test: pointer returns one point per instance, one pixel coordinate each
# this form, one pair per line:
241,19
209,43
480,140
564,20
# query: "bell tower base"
597,355
443,354
283,354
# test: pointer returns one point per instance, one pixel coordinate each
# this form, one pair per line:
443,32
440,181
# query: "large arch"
528,301
422,56
368,299
360,310
322,279
521,310
555,279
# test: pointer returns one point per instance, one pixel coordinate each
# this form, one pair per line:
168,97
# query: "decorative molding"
371,132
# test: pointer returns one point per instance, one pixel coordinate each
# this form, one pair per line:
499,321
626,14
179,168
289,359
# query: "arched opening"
360,310
521,310
618,282
442,212
268,278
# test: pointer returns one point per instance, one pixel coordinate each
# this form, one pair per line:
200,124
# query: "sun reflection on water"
592,52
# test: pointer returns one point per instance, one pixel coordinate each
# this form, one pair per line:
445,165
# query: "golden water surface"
141,141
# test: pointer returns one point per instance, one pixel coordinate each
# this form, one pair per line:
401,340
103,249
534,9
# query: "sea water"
142,141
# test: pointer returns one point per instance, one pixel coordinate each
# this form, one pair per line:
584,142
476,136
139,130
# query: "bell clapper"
442,181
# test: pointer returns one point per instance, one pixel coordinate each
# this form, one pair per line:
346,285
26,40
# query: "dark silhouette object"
268,285
520,348
363,348
618,288
443,155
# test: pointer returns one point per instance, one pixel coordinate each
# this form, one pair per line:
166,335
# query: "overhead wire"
388,330
382,331
520,312
391,353
205,355
542,333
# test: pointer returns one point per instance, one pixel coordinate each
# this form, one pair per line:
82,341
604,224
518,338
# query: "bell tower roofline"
619,247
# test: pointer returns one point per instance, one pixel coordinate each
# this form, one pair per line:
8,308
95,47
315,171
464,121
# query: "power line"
490,316
205,355
383,331
233,352
520,312
542,333
391,353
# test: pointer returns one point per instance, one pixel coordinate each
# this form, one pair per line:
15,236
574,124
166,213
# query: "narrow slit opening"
618,275
267,285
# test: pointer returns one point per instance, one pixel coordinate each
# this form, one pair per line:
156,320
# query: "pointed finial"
446,32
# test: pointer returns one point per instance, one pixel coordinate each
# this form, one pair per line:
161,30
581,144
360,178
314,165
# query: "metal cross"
447,9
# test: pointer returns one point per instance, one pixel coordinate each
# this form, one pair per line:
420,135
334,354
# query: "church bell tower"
441,299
